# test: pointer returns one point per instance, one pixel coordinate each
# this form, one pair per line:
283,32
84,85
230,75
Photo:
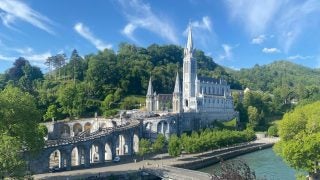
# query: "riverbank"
190,161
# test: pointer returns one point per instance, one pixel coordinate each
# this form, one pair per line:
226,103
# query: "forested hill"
276,75
106,80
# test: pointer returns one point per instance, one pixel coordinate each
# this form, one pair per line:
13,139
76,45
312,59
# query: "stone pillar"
102,151
68,159
162,131
71,131
86,156
61,160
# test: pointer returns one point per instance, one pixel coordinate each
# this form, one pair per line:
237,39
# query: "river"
265,163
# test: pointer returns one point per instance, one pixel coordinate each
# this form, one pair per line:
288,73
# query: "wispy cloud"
227,52
85,32
6,58
286,18
295,19
298,56
259,39
203,32
140,15
14,10
271,50
254,15
35,58
205,23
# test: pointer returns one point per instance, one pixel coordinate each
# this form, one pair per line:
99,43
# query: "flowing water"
265,163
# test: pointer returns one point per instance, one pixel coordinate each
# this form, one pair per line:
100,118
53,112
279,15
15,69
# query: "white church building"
198,94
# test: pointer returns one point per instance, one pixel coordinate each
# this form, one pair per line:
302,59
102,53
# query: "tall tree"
19,130
76,66
16,72
72,99
299,143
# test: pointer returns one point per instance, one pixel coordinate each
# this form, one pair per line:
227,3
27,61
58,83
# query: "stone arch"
135,141
148,126
108,152
55,159
77,129
78,155
65,131
122,147
95,152
75,159
162,127
87,127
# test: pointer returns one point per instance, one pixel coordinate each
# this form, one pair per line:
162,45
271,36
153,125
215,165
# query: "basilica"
198,94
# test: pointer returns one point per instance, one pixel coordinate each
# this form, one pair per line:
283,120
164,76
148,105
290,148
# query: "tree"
16,72
51,113
273,131
19,130
159,144
72,99
76,66
253,116
299,143
144,147
174,148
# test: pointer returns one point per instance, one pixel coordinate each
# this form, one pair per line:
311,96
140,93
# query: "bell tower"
189,74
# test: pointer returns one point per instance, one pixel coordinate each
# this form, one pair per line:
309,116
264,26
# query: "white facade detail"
198,94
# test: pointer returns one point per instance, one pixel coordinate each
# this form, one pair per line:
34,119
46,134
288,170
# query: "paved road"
130,166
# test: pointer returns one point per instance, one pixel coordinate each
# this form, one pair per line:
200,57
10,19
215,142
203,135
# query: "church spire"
177,84
190,41
150,89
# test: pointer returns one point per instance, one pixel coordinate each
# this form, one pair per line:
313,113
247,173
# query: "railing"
96,134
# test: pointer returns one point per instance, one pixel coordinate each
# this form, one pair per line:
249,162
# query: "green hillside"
277,74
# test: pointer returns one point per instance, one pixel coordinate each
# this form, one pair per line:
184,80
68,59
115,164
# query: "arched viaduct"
87,149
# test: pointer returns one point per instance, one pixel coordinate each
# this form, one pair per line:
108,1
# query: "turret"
150,97
177,96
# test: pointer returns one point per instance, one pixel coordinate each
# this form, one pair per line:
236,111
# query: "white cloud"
204,24
13,10
87,34
203,32
6,58
129,30
270,50
259,39
287,19
254,15
37,58
298,56
234,68
140,15
227,52
295,19
28,53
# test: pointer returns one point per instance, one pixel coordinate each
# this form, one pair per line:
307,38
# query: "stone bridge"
88,148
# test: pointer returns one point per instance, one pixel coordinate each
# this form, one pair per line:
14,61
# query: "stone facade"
201,101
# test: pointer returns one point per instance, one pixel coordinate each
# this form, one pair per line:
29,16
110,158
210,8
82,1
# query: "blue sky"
235,33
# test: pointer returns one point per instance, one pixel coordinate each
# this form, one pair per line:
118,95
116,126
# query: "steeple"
177,84
190,41
150,89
